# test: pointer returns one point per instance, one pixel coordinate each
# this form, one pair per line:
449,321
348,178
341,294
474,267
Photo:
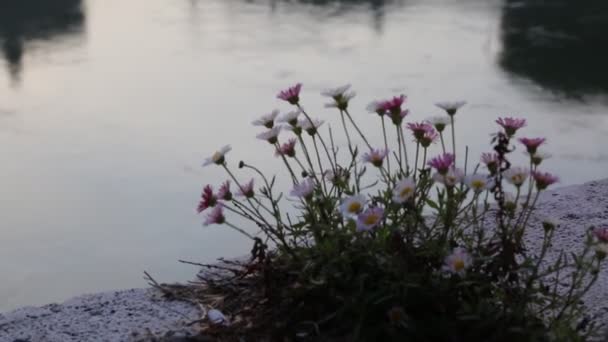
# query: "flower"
439,122
511,125
375,156
601,250
532,143
303,189
404,189
479,182
442,163
393,106
216,216
458,261
397,118
450,107
267,120
491,161
509,201
218,157
538,157
516,176
419,129
340,95
291,94
216,317
369,218
290,117
271,135
224,192
352,205
208,199
310,126
246,190
601,233
287,149
337,177
543,179
376,107
450,178
429,137
550,223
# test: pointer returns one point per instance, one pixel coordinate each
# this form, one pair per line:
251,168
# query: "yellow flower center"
458,265
371,219
478,184
405,192
354,207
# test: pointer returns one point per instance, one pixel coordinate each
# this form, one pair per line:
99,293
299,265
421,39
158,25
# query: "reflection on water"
101,145
24,21
560,44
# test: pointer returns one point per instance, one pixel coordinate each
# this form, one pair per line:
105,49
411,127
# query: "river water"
107,109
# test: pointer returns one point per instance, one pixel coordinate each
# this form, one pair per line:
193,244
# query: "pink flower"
442,163
491,161
419,129
393,105
224,192
369,218
291,94
397,118
511,125
532,143
601,233
246,189
375,156
543,179
216,216
287,149
208,199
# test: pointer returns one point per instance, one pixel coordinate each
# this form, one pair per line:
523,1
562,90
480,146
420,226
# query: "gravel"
130,315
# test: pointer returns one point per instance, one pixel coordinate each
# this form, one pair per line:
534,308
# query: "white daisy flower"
479,182
375,107
303,189
310,126
290,118
439,122
458,261
450,107
550,223
340,95
353,205
216,317
267,120
218,156
271,135
403,190
538,156
516,176
451,178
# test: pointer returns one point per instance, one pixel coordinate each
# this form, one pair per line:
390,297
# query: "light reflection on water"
106,120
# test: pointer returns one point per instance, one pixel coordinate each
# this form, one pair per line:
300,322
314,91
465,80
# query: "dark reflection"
22,21
560,44
376,8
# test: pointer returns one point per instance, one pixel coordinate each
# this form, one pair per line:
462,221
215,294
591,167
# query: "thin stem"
453,138
239,230
416,162
400,150
407,165
442,142
314,141
388,160
358,130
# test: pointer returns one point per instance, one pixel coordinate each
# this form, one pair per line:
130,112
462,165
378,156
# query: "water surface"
107,109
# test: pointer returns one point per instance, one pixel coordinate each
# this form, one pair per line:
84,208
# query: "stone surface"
127,315
115,316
